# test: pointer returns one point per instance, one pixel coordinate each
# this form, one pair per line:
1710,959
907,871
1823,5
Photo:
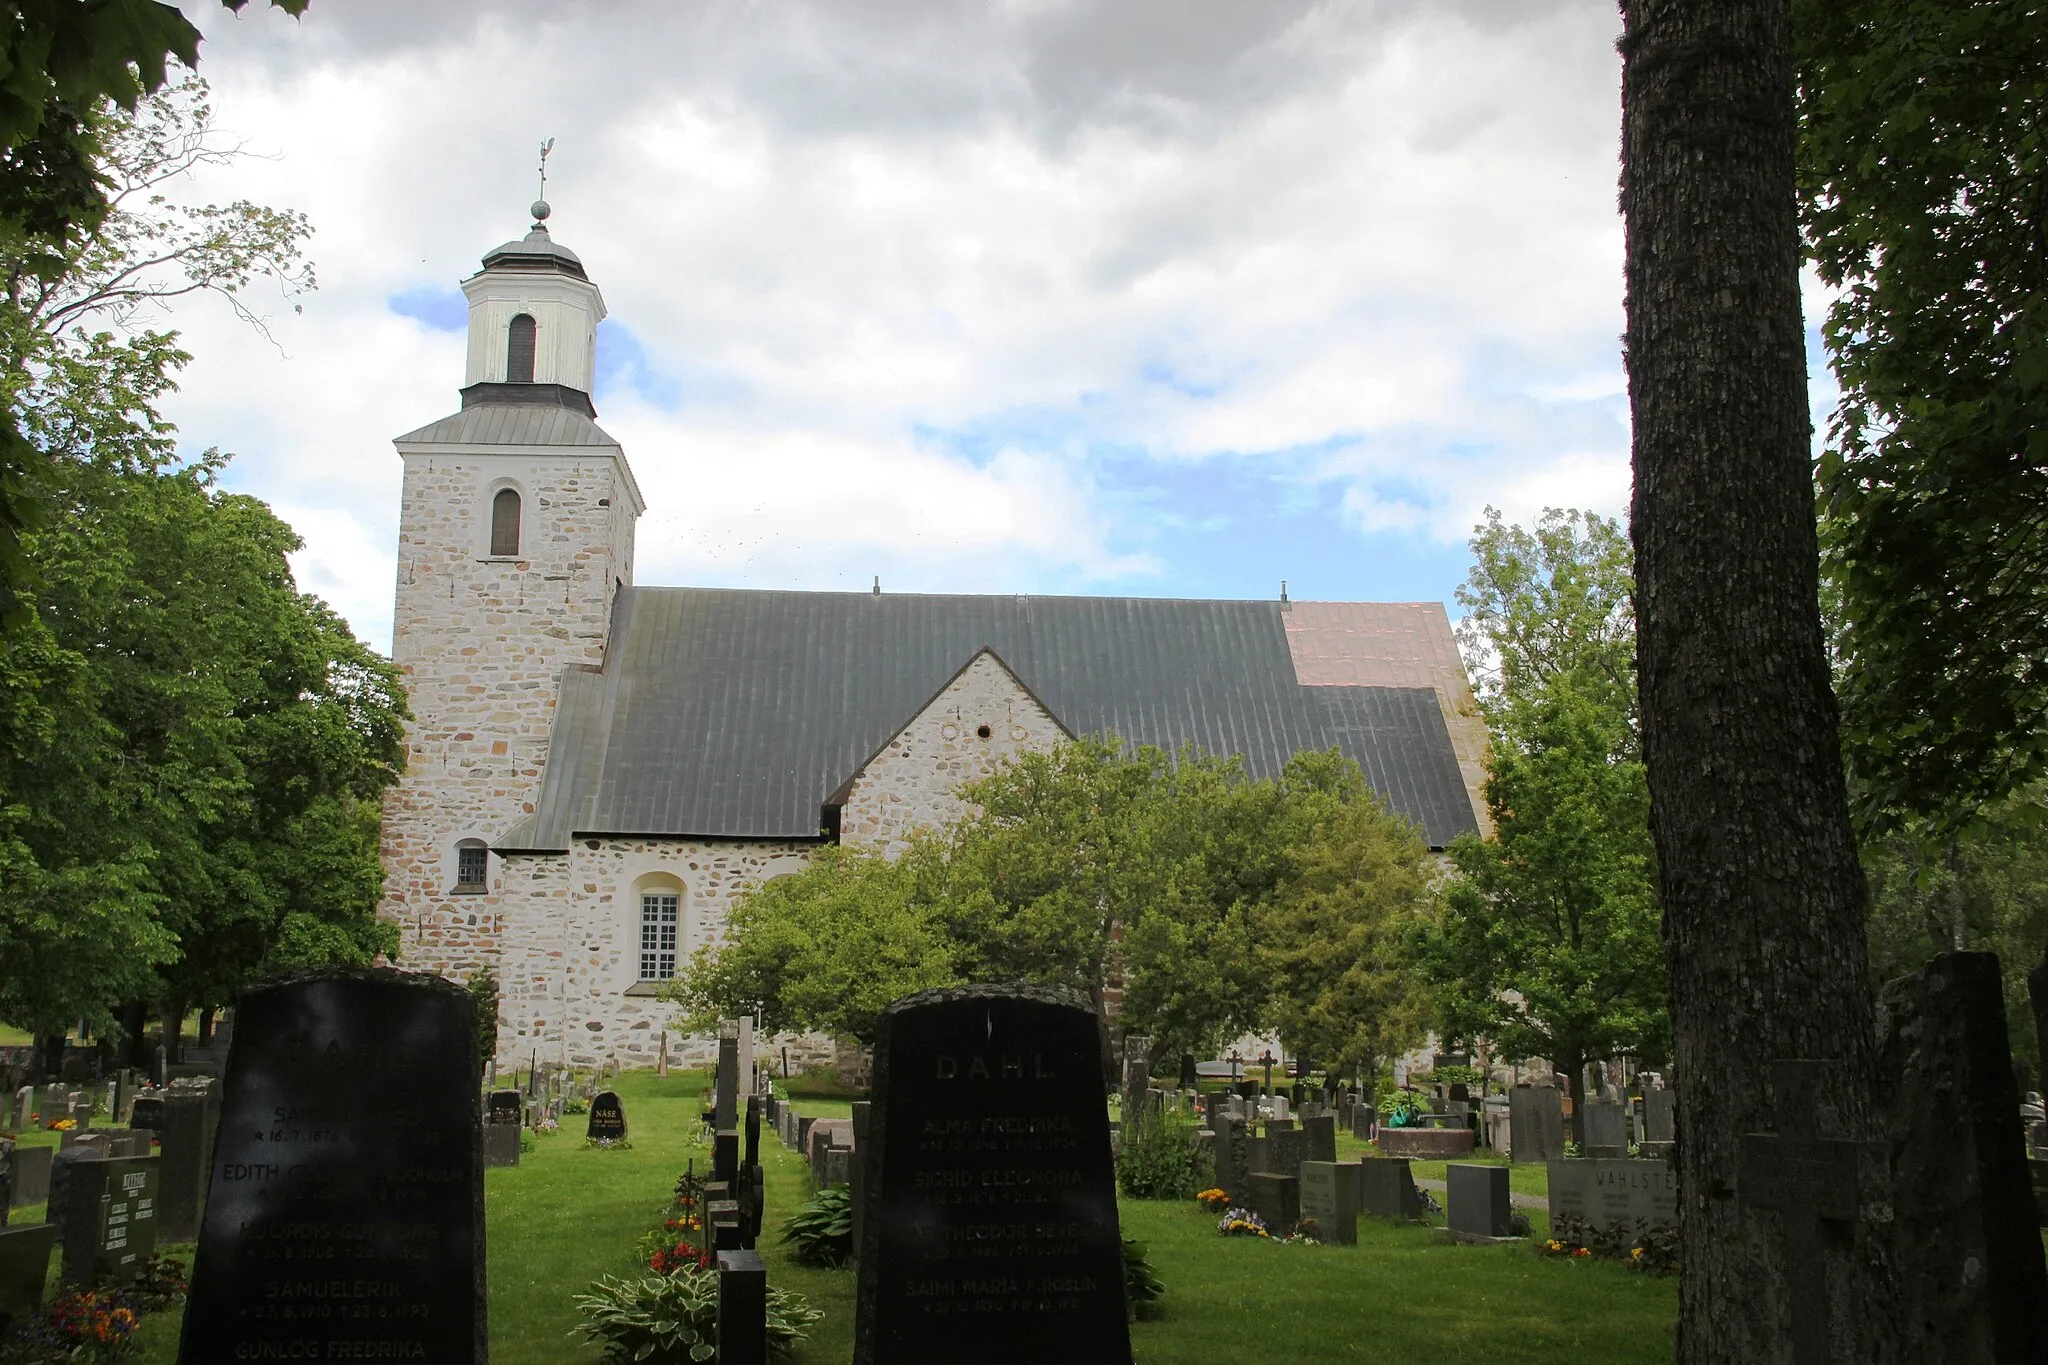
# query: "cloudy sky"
1154,297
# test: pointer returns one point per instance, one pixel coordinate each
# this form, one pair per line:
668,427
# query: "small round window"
983,731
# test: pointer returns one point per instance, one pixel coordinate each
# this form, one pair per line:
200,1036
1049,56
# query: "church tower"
515,533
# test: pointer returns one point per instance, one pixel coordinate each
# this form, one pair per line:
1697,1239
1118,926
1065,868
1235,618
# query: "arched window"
472,863
519,351
505,523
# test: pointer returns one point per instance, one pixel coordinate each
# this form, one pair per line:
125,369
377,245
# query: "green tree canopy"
1179,880
1923,149
1549,942
191,750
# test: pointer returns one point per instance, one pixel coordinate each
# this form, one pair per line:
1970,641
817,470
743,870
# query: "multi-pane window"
658,913
471,863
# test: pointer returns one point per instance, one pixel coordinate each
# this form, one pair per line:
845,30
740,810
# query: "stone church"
597,769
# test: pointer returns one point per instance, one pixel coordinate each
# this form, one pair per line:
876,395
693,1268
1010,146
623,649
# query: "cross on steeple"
1807,1180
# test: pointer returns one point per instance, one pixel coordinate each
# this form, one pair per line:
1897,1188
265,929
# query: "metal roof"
536,250
731,713
511,424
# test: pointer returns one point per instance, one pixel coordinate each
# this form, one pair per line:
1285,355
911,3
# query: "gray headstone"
1032,1269
838,1166
1320,1130
1329,1195
24,1267
1285,1150
191,1118
501,1144
105,1215
1476,1202
1387,1189
1233,1158
1362,1116
1276,1199
1603,1130
32,1175
1611,1193
1974,1277
1535,1123
99,1143
1660,1116
24,1108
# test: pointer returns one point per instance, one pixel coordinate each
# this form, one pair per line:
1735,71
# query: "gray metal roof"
536,250
730,713
511,424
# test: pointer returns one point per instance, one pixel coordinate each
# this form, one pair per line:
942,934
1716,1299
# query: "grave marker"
191,1117
24,1268
1604,1129
1604,1193
1329,1195
1535,1123
1387,1189
607,1118
742,1309
1476,1202
1807,1180
1973,1276
105,1215
347,1156
1320,1133
32,1175
991,1233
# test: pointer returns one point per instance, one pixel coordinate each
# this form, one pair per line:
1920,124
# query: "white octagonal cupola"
533,317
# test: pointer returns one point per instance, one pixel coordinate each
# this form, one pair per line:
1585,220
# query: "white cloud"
1383,232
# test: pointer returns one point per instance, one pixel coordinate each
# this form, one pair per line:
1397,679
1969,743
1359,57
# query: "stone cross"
1805,1179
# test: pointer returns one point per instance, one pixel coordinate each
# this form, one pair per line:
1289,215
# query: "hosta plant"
673,1319
821,1232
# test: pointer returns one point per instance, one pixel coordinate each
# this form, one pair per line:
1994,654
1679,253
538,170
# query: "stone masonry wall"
914,781
481,643
569,960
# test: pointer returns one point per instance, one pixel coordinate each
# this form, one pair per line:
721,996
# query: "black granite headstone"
1974,1276
1190,1079
607,1118
6,1178
742,1309
191,1120
991,1229
147,1112
346,1215
506,1106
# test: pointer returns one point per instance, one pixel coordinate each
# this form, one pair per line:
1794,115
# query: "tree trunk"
1575,1086
1763,898
171,1014
135,1025
49,1056
206,1027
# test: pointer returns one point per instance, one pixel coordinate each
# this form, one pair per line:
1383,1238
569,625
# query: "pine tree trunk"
1763,897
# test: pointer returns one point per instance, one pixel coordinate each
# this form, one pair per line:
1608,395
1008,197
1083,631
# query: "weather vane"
540,205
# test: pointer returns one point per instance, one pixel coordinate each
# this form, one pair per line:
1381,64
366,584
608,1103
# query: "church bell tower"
515,533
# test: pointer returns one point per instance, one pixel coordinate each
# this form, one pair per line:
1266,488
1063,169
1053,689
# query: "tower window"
519,350
505,523
658,913
472,860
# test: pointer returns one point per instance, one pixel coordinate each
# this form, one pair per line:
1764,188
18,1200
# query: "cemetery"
1076,952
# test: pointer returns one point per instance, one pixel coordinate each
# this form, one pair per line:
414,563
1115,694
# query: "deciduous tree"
1763,898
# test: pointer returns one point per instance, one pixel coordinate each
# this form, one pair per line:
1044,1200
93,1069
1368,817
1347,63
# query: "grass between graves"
566,1215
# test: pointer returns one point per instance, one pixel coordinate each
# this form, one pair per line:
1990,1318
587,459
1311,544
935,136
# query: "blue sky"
1124,296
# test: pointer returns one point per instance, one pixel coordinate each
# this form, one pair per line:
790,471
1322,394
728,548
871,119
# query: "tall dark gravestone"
345,1218
991,1229
607,1118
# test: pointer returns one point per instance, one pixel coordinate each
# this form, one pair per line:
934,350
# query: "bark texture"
1763,897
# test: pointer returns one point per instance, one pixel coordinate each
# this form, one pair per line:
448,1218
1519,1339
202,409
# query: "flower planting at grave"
1651,1248
1216,1201
679,1245
95,1326
63,1125
1242,1223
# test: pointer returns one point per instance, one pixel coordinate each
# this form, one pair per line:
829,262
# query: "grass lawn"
566,1215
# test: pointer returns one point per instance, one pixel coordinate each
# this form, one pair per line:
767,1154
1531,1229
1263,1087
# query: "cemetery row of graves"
324,1186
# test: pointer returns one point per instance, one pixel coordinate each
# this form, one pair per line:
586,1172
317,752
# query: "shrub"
1160,1158
1141,1285
673,1319
821,1231
483,986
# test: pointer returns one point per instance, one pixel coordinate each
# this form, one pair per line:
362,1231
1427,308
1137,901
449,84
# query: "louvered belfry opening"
505,523
519,350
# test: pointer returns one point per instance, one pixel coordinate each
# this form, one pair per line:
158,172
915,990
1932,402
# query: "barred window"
471,864
658,914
